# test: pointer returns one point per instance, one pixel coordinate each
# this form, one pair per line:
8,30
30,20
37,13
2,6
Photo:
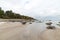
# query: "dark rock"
24,22
51,27
49,23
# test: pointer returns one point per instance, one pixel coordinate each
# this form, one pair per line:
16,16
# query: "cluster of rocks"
50,25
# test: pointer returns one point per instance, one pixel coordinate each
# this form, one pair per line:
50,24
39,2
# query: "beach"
10,31
18,31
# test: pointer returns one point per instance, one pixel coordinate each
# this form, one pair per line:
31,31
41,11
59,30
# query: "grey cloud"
36,7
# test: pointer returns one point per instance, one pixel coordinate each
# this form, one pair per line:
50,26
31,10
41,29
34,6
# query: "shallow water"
29,32
33,31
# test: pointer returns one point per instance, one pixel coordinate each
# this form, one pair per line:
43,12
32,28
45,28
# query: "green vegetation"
9,14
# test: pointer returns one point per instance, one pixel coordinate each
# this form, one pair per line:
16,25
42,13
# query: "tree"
9,14
1,12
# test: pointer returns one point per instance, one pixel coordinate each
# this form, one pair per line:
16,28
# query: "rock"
49,23
24,22
51,27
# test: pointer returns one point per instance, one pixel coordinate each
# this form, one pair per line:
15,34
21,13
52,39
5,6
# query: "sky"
32,7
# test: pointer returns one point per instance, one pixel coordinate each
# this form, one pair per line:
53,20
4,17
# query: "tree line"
9,14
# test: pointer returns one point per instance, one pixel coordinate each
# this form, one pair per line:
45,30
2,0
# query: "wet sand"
10,31
51,34
34,31
17,31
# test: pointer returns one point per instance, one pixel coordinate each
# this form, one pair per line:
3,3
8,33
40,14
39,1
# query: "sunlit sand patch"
2,23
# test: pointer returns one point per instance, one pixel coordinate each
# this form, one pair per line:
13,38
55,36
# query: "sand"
10,31
34,31
51,34
18,31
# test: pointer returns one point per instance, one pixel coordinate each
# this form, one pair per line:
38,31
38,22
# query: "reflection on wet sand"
34,31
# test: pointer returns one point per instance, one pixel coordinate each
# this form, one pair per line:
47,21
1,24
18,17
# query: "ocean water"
38,25
42,26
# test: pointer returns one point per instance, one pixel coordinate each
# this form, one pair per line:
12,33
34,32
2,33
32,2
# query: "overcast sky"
32,7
